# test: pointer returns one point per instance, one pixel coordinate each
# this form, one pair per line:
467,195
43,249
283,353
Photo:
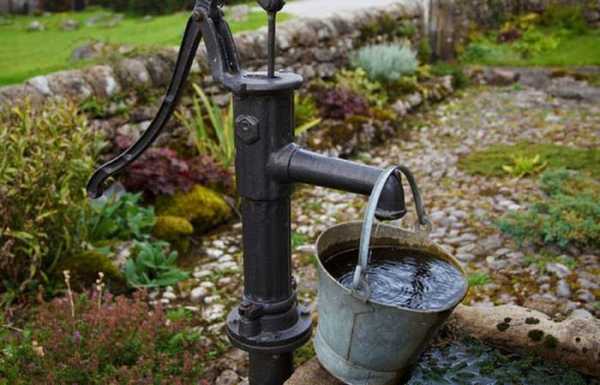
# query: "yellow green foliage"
172,228
85,266
202,207
46,158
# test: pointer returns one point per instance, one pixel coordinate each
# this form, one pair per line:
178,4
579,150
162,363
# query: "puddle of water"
469,362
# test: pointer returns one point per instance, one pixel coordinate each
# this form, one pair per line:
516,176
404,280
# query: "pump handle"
206,22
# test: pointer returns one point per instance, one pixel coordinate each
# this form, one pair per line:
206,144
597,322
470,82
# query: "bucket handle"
367,227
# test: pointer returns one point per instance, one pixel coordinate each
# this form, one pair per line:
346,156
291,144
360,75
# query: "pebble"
231,266
202,274
563,289
214,313
169,295
225,281
228,377
208,285
502,252
212,299
198,294
558,269
214,253
309,249
465,257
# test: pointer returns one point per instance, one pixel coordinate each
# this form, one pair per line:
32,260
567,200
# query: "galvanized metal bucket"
360,341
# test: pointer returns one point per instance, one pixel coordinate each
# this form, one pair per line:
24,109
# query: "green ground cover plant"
153,266
96,339
492,161
569,214
47,51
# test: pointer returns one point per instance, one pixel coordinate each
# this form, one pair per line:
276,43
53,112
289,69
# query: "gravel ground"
462,207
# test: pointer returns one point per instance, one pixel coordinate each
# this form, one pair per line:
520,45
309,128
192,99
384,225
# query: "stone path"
462,207
320,8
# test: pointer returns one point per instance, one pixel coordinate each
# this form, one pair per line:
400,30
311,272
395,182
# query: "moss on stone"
84,269
171,228
176,230
490,162
550,342
503,326
201,207
535,335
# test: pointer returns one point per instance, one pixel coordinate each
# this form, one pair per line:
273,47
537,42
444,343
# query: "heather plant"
386,63
46,158
340,103
568,215
98,339
161,171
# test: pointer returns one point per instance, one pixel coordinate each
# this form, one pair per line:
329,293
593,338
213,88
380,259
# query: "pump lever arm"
206,21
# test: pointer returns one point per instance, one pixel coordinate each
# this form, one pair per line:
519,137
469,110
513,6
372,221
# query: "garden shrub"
211,128
456,71
102,340
490,162
339,102
358,82
570,17
566,216
305,109
46,158
161,171
385,62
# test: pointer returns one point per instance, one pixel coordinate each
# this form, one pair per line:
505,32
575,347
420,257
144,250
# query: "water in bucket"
400,277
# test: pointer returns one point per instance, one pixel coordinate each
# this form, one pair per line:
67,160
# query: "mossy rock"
202,207
84,269
175,230
171,228
490,161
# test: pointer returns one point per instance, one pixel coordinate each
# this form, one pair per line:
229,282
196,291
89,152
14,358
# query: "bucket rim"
437,248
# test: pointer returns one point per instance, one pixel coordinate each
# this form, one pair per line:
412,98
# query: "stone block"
312,373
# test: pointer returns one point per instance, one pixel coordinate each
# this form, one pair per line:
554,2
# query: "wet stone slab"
465,362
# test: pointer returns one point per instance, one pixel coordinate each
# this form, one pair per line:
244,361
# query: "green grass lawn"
573,50
26,54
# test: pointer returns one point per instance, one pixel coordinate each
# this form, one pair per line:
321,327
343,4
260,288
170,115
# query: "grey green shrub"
568,215
386,62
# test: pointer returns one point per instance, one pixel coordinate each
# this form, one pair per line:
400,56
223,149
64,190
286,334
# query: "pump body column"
268,324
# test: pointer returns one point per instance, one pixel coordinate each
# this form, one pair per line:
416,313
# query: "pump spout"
293,164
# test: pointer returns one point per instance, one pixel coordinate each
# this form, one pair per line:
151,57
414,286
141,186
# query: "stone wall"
311,47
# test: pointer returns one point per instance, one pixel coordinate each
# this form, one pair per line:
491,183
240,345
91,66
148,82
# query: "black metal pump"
269,323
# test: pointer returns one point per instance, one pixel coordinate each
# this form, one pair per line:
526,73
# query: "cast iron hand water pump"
269,323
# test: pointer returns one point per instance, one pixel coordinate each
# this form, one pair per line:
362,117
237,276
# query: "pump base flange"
271,341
